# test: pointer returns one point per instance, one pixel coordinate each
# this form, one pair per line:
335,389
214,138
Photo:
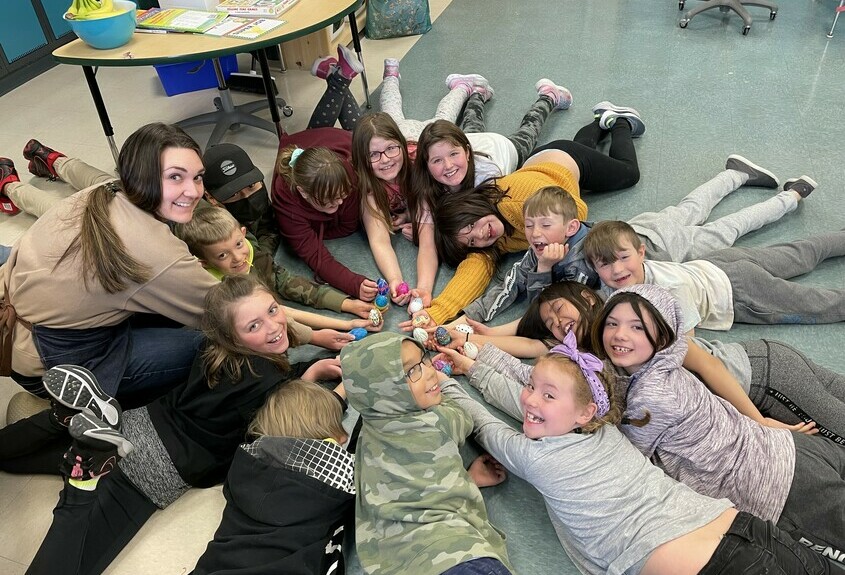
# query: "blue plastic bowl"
110,32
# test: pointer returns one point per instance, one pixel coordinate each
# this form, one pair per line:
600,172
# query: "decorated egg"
442,366
358,333
382,302
441,334
415,305
420,335
375,317
383,286
470,350
402,289
464,328
421,320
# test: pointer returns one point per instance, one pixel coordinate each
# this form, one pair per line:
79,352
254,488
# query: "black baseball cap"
228,170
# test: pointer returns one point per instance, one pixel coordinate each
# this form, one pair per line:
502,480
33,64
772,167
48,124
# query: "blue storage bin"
192,76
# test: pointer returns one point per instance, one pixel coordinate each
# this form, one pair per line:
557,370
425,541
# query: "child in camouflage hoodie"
417,509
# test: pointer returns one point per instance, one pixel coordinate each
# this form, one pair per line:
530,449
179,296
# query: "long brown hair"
456,211
379,125
104,257
425,191
224,354
585,300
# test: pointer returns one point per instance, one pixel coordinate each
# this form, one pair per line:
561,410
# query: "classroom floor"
704,93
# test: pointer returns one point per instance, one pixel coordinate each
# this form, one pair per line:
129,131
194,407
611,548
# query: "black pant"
90,528
753,546
599,172
33,445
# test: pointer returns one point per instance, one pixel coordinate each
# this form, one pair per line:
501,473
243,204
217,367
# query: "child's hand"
366,324
478,327
331,339
323,369
486,471
356,307
368,290
407,231
551,255
462,364
807,428
409,325
396,298
424,294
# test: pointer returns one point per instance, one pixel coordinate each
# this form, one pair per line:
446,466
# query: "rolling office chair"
727,5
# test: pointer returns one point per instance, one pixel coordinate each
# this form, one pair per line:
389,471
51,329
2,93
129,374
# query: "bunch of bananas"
91,9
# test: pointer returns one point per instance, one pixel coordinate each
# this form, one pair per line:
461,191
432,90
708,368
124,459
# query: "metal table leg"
356,43
94,88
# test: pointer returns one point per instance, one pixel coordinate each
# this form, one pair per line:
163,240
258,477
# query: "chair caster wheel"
745,30
287,111
773,14
683,23
680,4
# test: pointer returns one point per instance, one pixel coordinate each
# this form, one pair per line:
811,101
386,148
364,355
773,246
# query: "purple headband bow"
589,365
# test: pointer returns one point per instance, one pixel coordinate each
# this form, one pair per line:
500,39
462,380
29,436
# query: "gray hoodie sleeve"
501,296
502,362
498,390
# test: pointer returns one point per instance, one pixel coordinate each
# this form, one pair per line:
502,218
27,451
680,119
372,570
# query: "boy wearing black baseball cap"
235,183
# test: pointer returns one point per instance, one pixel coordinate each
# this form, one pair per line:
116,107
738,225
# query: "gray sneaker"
603,107
609,117
803,185
757,176
76,388
93,432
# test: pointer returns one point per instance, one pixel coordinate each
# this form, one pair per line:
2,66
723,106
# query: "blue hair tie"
294,155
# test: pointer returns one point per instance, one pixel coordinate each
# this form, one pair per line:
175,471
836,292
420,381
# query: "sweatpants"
599,172
679,233
391,103
74,171
525,137
752,545
787,386
761,292
336,104
814,512
90,528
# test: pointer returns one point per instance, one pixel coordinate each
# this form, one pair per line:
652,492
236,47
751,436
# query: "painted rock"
382,303
415,305
358,333
420,335
375,317
383,286
464,328
421,320
402,289
470,350
441,334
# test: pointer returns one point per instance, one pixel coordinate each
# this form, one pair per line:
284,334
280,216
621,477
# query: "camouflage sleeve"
266,232
454,421
301,290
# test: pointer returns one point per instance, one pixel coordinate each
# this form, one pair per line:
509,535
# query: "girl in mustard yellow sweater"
474,228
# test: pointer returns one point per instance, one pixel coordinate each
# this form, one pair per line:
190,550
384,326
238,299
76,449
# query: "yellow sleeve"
469,282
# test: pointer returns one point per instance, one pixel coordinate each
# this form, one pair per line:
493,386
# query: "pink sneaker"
560,96
469,82
483,88
391,68
323,67
348,63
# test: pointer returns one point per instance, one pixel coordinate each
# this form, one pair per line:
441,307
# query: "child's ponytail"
318,172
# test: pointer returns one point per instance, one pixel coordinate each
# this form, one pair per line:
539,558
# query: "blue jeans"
5,251
133,364
482,566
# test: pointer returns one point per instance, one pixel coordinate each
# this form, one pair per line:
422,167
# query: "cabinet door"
55,10
20,30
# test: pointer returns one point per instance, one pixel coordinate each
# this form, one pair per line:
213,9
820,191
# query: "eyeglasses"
415,373
389,152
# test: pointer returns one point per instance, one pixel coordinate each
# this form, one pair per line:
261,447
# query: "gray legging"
761,292
787,386
525,137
